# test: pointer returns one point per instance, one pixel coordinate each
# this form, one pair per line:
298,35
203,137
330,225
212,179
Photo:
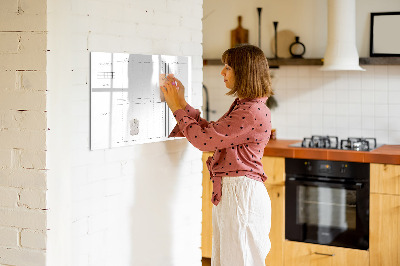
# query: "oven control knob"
343,168
308,166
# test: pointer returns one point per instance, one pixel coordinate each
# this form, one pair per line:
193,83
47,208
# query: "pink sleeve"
229,131
193,113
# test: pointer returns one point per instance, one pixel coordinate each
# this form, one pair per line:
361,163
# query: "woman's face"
229,76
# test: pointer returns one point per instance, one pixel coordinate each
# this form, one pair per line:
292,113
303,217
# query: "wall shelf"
274,63
380,61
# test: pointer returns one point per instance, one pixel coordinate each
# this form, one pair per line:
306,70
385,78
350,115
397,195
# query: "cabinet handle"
324,254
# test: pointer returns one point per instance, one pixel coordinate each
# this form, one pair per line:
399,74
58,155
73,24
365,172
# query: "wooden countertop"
389,154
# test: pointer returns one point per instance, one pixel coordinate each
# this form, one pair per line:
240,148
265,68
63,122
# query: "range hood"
341,51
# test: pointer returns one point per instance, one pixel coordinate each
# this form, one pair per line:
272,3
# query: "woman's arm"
193,113
237,128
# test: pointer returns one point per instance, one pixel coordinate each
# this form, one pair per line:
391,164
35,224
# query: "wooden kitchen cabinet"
384,215
277,233
384,236
274,168
305,254
385,178
206,225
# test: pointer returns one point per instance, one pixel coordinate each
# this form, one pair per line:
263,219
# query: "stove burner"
328,142
332,142
358,144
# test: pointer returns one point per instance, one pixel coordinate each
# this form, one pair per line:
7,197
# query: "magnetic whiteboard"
127,105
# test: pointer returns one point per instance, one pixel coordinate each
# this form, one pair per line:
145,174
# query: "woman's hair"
250,66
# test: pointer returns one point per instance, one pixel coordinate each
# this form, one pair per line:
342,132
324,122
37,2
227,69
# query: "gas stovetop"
332,142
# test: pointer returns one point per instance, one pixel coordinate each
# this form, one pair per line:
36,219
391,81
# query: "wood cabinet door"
385,178
304,254
277,233
384,236
274,168
206,225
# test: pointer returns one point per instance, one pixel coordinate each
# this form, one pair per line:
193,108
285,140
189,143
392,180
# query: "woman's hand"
181,92
172,94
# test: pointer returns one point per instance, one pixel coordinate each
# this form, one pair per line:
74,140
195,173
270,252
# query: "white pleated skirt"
241,223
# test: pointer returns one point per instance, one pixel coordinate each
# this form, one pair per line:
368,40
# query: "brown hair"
250,66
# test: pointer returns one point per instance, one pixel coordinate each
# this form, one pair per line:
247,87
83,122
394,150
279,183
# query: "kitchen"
312,103
63,204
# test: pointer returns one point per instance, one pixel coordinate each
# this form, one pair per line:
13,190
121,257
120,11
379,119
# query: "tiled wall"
344,103
313,102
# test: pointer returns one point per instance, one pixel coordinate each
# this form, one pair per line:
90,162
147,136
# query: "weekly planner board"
127,105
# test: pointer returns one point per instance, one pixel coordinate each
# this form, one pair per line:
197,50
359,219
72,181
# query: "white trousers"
241,223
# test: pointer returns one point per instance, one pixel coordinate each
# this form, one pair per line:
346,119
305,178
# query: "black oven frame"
342,175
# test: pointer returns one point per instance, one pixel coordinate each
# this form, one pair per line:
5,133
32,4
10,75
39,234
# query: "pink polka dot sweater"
238,139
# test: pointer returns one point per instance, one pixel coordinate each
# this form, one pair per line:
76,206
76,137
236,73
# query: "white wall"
306,19
344,103
138,205
23,133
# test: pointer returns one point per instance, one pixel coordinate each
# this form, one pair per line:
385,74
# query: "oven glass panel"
326,207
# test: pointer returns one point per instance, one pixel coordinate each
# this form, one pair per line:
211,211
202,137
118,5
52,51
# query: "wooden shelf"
273,63
380,61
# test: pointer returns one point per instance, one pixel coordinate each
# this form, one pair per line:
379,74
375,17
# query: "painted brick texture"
108,207
23,132
138,205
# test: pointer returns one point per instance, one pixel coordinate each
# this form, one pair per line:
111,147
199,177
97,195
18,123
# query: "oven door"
327,213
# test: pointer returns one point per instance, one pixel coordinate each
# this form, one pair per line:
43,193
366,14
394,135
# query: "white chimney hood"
341,51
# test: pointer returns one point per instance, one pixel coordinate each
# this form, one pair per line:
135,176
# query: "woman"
242,208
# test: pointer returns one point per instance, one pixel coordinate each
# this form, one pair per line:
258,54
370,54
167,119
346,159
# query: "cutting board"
239,35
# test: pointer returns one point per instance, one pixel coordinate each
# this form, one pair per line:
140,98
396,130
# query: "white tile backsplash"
367,109
381,84
381,97
394,136
394,82
394,110
381,110
394,97
343,103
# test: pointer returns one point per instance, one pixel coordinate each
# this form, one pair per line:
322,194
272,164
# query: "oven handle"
357,185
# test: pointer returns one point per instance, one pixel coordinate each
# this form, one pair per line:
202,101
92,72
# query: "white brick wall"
101,204
33,239
23,132
9,237
138,205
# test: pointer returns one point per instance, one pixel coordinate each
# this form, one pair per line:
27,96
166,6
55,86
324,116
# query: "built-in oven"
327,202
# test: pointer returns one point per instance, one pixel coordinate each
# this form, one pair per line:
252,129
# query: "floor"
206,261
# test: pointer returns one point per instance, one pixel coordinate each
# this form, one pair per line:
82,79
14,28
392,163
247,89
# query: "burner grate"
327,142
358,144
332,142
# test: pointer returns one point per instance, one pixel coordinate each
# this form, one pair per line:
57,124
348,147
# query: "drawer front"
297,253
